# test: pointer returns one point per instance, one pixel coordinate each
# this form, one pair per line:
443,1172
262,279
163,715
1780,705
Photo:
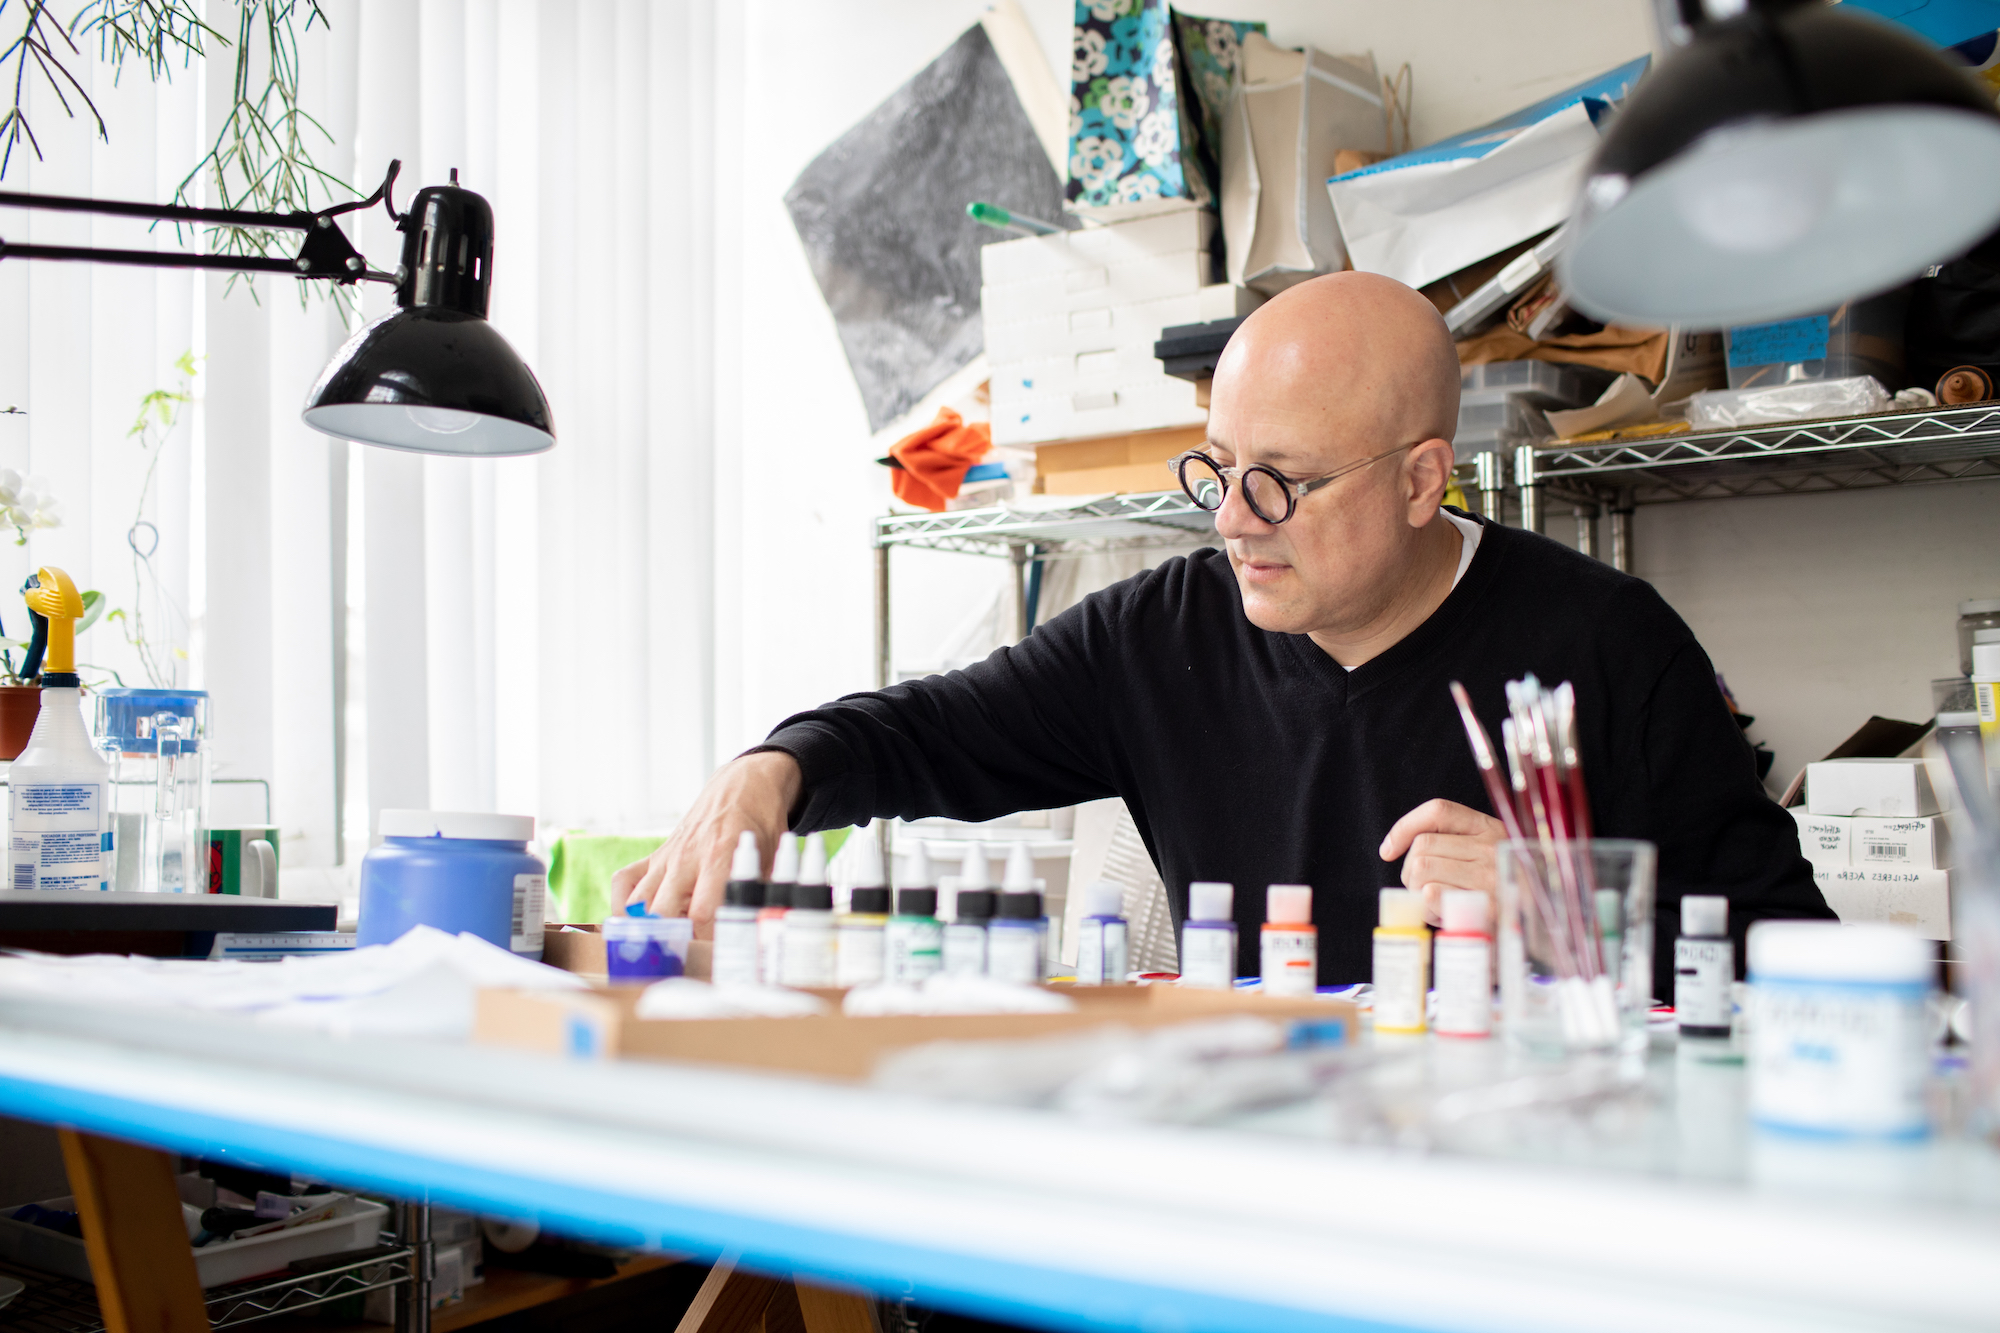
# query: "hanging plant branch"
150,30
32,49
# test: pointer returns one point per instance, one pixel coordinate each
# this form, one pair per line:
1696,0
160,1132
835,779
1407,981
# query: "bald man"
1278,712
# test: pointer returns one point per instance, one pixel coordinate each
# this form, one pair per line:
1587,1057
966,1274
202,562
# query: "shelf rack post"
1586,530
1621,534
413,1310
1526,478
1490,479
1017,554
881,616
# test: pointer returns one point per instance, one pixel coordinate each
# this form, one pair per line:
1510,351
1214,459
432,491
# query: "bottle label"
1208,956
58,836
1464,985
531,907
1103,956
965,950
916,951
1401,980
770,946
1703,973
1014,953
734,960
1847,1059
858,956
1290,962
809,953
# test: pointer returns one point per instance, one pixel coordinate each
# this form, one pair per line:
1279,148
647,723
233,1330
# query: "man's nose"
1237,519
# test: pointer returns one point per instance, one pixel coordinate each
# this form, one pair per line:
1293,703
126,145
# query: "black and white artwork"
881,214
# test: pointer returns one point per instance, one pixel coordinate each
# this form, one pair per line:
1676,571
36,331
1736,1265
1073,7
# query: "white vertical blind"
529,635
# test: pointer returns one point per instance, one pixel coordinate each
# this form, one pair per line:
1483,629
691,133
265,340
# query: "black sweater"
1253,757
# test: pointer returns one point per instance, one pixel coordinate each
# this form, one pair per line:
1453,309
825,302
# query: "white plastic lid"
1210,900
812,861
917,872
1104,898
453,824
1704,914
1401,907
746,863
1289,904
972,871
1020,876
1981,606
785,865
1831,951
1465,911
1986,657
867,860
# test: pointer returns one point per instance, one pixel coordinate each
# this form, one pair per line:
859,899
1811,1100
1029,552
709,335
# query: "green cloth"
581,866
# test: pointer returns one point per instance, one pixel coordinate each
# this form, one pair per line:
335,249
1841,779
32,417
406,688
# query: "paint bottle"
777,901
1208,939
1020,878
809,940
1014,940
1402,962
859,944
916,938
1464,961
1290,944
734,960
973,905
1704,968
1103,938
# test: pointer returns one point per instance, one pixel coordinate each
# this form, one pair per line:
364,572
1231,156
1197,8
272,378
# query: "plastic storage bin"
355,1225
1544,383
461,873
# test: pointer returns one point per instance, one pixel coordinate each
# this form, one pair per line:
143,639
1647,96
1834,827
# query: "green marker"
995,216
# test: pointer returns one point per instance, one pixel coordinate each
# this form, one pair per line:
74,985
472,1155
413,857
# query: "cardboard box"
1923,843
1826,840
1918,899
1899,788
601,1024
1133,447
1129,479
579,947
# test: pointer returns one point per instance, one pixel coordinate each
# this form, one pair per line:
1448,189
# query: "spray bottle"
777,901
734,959
59,789
809,939
971,909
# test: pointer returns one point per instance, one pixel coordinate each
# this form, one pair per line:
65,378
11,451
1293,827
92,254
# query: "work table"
1047,1219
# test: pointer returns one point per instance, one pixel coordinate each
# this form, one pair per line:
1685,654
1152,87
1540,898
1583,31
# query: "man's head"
1328,373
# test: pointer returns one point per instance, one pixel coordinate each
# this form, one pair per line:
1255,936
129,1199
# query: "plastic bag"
1728,409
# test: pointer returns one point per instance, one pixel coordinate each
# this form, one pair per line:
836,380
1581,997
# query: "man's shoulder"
1196,582
1544,576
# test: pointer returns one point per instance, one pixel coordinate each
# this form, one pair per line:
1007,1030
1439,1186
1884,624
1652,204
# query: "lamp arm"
326,252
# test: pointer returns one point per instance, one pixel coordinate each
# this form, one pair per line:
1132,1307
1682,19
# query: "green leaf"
93,607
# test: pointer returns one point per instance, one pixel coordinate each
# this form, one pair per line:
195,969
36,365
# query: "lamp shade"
434,377
1786,160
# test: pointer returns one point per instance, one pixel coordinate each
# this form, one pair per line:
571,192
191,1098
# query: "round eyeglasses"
1272,496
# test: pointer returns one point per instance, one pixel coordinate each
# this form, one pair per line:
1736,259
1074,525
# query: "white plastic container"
59,802
1838,1042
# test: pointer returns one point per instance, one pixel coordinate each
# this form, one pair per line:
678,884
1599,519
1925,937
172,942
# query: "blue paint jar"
457,872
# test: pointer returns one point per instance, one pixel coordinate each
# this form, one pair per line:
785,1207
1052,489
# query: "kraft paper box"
1899,788
1923,843
1826,840
1917,899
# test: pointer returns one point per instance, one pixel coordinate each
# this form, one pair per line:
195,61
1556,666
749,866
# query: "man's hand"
1448,846
685,876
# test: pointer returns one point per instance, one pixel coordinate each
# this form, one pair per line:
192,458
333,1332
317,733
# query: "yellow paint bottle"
1402,963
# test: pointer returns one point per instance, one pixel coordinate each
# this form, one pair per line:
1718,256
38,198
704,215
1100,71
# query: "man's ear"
1426,474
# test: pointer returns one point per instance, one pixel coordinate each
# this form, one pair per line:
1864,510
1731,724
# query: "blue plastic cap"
636,909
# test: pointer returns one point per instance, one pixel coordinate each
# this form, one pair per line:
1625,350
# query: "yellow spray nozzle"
57,600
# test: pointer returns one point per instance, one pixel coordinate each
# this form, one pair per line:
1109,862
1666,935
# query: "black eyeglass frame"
1293,491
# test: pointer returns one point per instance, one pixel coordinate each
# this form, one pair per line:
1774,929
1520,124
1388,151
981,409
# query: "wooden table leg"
836,1309
130,1209
730,1301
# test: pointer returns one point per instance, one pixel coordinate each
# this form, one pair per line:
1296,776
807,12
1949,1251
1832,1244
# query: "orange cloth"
935,459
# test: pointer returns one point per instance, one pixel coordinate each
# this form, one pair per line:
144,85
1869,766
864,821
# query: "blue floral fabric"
1141,100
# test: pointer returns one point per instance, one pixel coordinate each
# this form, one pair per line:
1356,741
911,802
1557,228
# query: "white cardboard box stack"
1071,319
1879,846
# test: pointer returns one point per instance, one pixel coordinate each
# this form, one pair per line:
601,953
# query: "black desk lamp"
1790,157
433,377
